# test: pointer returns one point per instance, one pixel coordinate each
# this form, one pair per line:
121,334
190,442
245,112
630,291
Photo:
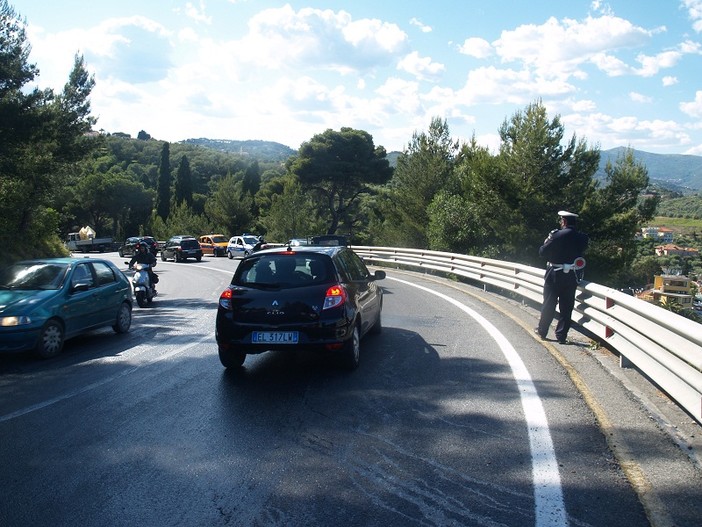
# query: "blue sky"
619,73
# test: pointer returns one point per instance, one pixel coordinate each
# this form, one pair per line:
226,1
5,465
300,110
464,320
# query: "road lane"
430,430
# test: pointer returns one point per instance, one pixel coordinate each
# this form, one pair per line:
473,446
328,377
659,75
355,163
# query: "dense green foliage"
682,207
42,135
56,176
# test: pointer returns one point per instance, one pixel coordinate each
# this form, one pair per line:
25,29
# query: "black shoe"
542,337
563,341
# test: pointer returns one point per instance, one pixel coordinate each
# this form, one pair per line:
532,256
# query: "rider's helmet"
140,246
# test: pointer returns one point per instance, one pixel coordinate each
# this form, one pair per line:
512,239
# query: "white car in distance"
240,246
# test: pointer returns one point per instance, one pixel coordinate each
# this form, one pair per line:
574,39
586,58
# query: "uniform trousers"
559,288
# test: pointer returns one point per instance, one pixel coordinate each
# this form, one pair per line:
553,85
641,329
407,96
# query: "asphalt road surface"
457,415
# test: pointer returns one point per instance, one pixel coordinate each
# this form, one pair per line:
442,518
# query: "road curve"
456,416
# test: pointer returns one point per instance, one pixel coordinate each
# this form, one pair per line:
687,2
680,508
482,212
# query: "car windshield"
189,244
219,239
283,270
33,275
250,240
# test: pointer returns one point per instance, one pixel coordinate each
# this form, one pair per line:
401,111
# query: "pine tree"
163,190
184,183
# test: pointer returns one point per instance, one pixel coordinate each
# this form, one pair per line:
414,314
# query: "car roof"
329,250
64,260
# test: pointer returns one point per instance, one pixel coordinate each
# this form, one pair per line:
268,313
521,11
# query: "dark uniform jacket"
564,246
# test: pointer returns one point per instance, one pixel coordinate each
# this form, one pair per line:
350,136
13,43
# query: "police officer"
561,249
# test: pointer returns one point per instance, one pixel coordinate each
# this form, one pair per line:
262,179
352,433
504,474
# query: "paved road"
456,416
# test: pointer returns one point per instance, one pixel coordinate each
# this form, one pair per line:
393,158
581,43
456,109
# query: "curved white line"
548,494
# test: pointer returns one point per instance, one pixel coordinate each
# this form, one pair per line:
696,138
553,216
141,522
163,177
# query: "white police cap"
566,214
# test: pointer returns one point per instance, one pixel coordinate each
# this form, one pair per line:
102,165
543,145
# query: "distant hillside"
263,150
682,173
677,172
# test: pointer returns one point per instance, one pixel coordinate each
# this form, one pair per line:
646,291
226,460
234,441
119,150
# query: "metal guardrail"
664,346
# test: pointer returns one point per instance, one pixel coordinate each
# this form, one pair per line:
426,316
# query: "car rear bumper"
321,336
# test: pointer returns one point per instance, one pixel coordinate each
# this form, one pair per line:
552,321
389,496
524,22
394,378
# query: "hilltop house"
662,234
675,250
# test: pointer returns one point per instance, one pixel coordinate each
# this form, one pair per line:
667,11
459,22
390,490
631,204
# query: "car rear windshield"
189,244
284,270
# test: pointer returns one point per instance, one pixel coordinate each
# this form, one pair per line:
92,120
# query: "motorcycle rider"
144,256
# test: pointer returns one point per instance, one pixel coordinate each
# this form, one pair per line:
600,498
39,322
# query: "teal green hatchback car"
45,302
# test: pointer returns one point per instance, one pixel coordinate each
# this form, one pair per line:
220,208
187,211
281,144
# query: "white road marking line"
548,494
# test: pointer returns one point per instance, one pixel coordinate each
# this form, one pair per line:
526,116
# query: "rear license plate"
274,337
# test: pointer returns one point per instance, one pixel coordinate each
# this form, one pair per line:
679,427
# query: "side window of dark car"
358,265
350,267
103,273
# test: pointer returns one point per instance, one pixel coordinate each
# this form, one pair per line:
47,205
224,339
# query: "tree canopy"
338,167
42,135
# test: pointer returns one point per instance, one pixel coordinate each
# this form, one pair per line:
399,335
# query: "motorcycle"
141,282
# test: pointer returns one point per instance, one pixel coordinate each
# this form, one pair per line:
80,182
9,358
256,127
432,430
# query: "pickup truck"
74,243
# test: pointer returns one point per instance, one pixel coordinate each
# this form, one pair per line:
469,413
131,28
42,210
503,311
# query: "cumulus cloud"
197,12
322,39
638,97
421,67
693,108
694,11
422,27
559,47
476,47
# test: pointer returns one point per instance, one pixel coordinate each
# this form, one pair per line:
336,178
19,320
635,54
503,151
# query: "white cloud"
638,97
421,67
651,65
669,80
476,47
422,27
197,13
694,108
321,39
694,11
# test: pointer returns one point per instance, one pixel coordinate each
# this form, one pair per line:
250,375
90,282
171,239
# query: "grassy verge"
678,225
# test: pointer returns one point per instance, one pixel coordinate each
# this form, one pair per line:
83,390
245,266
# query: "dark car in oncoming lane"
303,298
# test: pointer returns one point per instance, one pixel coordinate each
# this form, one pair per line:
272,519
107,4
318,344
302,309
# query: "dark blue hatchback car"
294,298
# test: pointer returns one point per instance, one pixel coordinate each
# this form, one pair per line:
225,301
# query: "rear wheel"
141,299
231,358
351,353
124,319
163,257
50,341
230,255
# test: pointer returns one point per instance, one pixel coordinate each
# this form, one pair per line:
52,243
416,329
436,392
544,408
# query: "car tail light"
225,299
336,296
